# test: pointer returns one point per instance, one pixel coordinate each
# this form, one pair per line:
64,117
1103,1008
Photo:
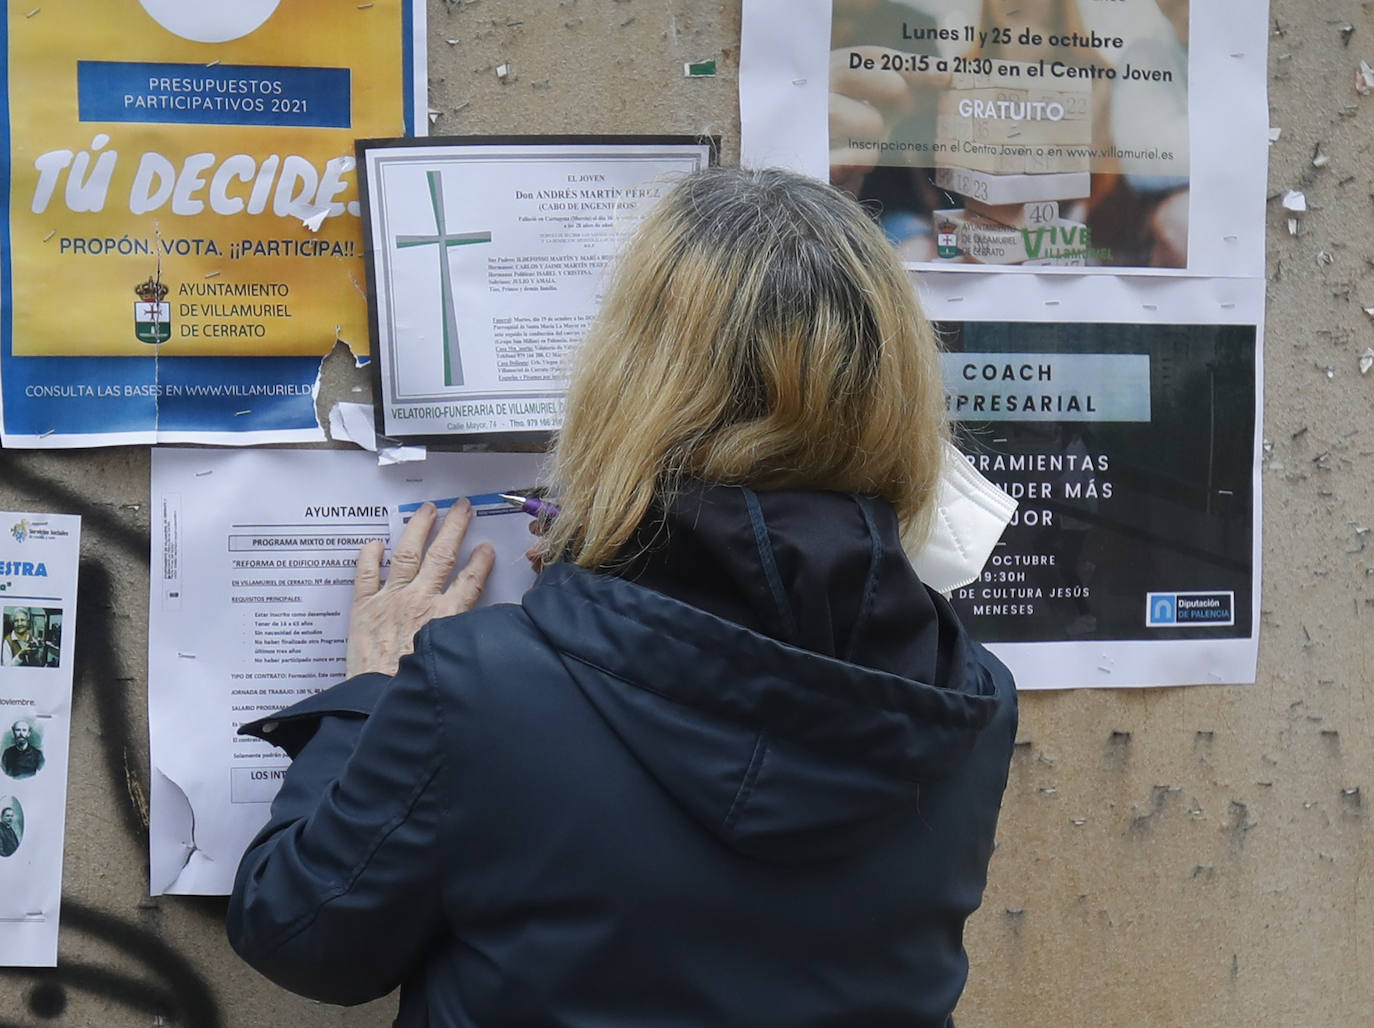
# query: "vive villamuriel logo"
152,314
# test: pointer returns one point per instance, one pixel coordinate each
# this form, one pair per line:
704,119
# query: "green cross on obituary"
453,363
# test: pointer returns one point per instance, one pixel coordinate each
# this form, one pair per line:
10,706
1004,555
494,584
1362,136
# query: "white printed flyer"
1071,136
486,258
38,570
249,601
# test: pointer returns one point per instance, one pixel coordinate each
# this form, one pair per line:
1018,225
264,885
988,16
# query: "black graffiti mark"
177,992
100,518
98,677
47,1000
164,984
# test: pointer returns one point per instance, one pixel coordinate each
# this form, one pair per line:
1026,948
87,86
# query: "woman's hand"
385,618
535,554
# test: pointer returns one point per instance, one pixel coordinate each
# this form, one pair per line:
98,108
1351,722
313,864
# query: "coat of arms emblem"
152,314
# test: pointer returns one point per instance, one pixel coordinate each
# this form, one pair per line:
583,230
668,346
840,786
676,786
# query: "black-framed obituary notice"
487,257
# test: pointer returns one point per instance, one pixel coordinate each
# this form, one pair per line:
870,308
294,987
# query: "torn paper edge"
389,455
353,423
174,861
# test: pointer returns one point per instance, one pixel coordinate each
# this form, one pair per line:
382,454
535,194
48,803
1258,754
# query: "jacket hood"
773,661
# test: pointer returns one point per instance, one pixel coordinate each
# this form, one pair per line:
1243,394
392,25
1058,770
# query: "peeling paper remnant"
353,423
313,217
1364,79
1366,359
1295,201
389,455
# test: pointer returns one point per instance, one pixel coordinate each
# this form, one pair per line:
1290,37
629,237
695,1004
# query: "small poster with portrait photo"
39,556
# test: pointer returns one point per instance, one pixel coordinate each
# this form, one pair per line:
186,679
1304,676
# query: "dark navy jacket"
752,779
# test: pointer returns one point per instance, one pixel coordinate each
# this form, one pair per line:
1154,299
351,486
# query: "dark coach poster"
1131,452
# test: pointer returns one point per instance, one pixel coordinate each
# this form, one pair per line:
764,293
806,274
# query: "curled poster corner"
389,455
176,864
353,423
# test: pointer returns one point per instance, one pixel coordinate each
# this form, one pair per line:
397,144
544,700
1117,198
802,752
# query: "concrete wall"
1168,857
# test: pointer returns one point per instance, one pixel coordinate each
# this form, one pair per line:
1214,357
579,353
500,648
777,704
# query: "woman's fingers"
409,550
368,570
467,588
443,552
535,555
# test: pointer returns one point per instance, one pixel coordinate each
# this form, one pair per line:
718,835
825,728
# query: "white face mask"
970,514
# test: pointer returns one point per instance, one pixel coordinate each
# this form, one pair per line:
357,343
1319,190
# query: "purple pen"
531,505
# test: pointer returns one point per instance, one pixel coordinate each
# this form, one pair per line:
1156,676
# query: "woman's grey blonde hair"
758,330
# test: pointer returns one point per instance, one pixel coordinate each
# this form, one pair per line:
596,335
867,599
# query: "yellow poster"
182,191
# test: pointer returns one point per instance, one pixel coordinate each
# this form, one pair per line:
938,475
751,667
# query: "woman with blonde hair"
728,762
